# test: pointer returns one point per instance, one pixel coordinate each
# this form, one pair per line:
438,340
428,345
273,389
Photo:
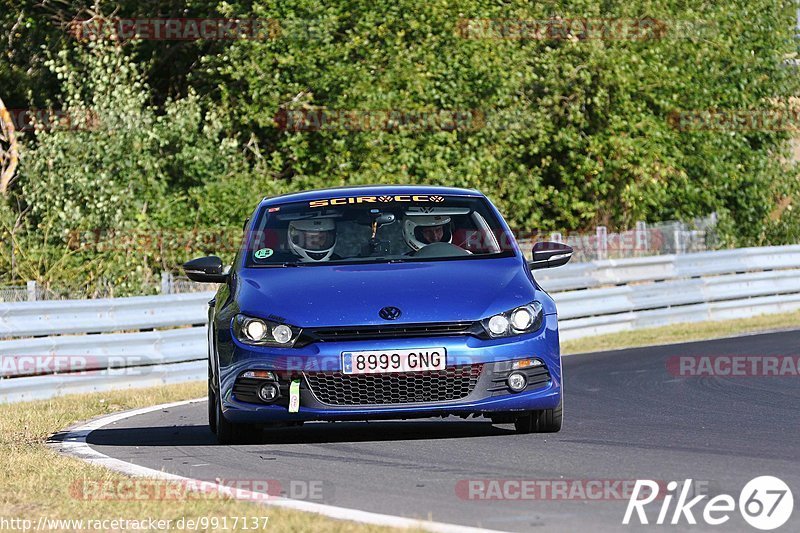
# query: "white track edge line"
74,444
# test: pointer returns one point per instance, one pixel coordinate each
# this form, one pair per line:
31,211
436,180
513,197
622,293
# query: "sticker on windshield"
374,199
263,253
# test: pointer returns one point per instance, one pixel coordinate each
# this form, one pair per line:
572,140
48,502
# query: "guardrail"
47,386
618,295
161,339
668,267
30,319
55,347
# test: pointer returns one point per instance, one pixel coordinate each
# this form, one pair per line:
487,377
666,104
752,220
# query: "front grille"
390,331
452,383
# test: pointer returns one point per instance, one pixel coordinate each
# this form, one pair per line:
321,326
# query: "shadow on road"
310,433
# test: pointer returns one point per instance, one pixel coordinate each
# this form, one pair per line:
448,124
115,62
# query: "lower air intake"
452,383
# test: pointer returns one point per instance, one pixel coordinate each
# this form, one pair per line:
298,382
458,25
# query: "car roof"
367,190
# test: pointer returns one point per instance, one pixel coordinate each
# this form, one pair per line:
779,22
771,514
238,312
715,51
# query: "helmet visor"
313,240
431,234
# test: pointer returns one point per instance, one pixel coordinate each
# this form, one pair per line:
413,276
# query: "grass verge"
682,333
35,481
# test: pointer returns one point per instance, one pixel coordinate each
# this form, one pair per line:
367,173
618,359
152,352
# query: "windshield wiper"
283,265
378,259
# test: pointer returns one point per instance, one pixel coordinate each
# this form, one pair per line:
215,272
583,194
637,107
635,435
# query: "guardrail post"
602,242
641,237
31,285
676,235
166,283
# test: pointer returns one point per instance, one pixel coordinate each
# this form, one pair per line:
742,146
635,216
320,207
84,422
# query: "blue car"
384,302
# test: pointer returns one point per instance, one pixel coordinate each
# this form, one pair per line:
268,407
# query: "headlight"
523,319
498,325
260,332
255,329
282,334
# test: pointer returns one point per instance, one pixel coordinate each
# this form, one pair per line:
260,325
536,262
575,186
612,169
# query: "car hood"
345,295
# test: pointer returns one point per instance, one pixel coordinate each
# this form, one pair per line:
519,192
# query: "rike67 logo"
765,503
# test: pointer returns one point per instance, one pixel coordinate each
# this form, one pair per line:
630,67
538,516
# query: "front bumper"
484,398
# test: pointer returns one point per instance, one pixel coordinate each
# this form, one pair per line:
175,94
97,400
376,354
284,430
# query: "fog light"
268,392
517,381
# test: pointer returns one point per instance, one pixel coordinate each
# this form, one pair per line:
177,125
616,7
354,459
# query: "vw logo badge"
390,313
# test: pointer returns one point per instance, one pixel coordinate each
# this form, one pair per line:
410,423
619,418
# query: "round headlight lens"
282,334
498,325
255,330
521,319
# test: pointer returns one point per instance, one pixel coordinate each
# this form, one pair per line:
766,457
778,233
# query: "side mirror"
206,270
550,254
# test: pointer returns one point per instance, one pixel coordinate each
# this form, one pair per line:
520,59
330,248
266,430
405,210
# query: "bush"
581,131
113,171
562,134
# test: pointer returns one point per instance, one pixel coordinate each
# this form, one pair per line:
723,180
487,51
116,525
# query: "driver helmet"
419,231
312,239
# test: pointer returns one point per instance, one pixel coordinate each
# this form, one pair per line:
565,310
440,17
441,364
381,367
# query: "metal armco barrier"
29,319
48,386
618,295
104,340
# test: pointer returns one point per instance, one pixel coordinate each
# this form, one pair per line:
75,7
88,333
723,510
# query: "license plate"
381,361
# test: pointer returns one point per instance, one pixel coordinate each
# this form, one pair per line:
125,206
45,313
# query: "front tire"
232,433
212,410
212,404
542,421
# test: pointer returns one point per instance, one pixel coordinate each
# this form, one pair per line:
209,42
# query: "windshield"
376,229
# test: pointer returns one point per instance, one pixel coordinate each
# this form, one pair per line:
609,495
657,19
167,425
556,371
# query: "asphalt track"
626,417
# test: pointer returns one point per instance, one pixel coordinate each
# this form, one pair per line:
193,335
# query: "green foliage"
580,132
571,133
112,171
